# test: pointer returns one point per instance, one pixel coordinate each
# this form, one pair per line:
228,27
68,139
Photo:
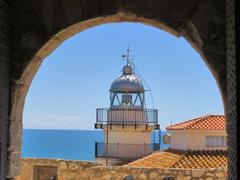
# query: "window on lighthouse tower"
126,99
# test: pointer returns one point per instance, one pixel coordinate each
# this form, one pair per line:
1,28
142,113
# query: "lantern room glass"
126,100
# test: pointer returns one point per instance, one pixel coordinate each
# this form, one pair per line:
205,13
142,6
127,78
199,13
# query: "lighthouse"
127,123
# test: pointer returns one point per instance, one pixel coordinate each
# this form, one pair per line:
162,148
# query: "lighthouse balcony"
126,117
124,151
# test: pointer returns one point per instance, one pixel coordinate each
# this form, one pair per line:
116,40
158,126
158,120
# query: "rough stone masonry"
31,29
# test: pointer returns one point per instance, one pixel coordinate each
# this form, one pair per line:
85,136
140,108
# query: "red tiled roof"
209,122
158,159
190,159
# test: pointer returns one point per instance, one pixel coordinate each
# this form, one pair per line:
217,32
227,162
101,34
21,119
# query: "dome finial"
129,68
128,81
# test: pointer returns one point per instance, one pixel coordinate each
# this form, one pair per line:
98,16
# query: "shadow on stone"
129,177
168,178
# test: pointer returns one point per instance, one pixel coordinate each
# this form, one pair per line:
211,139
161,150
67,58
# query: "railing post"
123,119
97,115
111,120
160,139
135,120
96,149
144,149
107,147
156,116
118,149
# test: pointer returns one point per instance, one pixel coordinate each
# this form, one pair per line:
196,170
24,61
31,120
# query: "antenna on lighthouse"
128,58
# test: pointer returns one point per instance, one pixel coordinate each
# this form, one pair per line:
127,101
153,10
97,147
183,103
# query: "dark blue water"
65,144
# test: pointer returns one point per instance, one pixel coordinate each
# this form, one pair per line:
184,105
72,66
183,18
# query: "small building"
203,133
127,123
194,144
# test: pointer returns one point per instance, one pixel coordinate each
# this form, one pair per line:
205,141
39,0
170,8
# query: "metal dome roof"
127,82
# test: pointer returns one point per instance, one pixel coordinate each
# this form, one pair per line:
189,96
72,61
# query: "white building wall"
178,140
193,139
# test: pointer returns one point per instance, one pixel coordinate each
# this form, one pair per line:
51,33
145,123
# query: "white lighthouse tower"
127,123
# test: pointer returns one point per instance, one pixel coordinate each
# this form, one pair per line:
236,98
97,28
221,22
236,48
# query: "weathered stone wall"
4,83
80,170
232,90
39,26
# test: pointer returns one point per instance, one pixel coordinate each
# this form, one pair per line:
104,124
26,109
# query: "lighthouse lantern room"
127,123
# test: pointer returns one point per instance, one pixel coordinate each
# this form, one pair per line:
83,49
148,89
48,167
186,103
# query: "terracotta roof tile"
209,122
190,159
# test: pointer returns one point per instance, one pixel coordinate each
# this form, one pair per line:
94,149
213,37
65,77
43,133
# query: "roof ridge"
204,118
194,121
201,119
216,115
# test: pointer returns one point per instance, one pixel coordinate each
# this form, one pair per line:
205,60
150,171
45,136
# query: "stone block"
209,178
63,165
142,176
187,178
209,174
198,172
153,175
15,164
219,174
72,166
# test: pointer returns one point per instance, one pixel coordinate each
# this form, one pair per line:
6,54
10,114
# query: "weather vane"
127,57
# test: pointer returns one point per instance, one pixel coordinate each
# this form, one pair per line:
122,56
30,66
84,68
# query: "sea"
67,144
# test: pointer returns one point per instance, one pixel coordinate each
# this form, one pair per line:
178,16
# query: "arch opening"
29,72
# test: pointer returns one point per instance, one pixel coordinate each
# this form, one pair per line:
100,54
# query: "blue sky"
75,79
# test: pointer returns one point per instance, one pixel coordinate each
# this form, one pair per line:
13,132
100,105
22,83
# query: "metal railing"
126,116
124,151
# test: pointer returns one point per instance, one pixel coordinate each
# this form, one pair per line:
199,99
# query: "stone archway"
41,26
